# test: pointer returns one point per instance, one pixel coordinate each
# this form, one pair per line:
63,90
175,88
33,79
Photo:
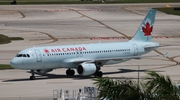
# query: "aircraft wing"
117,59
151,46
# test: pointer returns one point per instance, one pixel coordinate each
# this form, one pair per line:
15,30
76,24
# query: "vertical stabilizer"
145,30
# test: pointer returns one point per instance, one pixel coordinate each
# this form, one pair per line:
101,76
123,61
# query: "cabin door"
38,56
135,49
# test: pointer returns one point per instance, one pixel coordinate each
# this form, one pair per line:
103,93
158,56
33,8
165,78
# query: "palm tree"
153,87
120,89
160,87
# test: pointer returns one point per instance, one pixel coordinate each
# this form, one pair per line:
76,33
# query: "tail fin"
145,30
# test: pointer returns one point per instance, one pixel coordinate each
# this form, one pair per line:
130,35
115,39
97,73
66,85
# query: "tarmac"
43,25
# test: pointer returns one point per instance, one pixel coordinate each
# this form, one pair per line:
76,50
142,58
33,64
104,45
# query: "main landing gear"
32,77
70,72
98,73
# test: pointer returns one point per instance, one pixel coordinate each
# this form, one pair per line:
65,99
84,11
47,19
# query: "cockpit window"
22,55
19,55
28,55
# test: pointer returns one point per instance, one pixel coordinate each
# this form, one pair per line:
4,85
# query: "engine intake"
86,69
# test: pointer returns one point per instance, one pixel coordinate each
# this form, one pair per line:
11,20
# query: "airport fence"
86,93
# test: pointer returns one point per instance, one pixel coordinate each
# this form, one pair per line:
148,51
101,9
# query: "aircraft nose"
14,63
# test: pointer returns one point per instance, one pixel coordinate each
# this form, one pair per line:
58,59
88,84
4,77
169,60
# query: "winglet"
165,55
145,30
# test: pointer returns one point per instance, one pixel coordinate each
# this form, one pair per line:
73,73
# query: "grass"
169,11
83,1
5,39
16,38
5,66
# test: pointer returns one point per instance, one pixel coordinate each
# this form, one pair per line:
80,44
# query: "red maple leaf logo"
147,29
46,50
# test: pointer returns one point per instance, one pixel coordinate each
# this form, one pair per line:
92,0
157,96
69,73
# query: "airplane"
88,59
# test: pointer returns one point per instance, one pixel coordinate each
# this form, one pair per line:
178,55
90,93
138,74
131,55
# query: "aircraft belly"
31,66
40,65
52,65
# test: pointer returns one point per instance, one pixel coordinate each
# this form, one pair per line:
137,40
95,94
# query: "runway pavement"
42,25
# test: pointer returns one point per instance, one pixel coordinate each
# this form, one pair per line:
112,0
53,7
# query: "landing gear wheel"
70,72
98,74
32,77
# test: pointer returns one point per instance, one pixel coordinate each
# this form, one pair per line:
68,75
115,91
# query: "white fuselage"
50,57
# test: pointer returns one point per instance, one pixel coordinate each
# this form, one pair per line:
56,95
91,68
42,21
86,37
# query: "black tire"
98,74
32,77
68,72
72,72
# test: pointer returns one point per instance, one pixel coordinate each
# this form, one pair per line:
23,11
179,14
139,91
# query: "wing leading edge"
108,59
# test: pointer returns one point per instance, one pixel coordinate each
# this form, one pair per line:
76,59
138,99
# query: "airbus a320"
87,59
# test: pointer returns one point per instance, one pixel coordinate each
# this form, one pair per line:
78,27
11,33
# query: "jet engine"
86,69
44,70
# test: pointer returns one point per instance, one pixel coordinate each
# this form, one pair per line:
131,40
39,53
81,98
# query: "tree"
153,87
160,87
121,89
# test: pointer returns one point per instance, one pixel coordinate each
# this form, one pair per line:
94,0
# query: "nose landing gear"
32,77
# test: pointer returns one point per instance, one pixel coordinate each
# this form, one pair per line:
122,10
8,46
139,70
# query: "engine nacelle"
44,70
86,69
